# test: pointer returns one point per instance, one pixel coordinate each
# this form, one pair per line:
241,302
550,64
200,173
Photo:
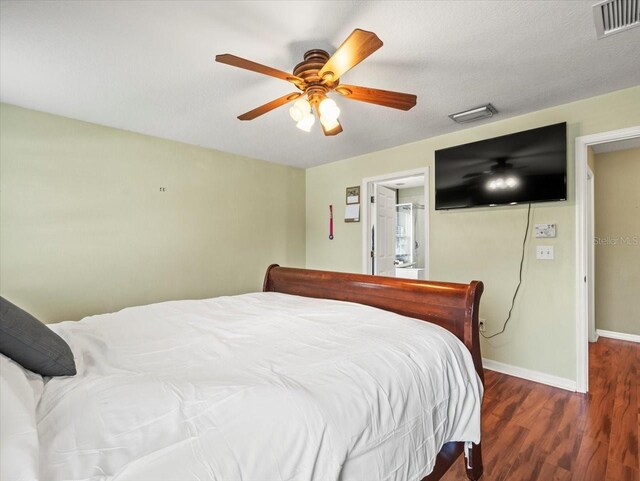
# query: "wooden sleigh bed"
200,389
449,305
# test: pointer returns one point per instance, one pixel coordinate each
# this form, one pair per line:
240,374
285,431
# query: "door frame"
582,252
366,190
591,253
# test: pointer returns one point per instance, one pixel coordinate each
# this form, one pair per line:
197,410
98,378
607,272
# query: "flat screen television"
528,166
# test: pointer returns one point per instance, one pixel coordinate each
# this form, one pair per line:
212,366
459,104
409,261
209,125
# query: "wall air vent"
615,16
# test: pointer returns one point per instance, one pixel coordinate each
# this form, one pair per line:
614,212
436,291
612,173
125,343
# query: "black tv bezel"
503,204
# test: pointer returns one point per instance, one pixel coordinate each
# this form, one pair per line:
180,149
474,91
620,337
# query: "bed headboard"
452,306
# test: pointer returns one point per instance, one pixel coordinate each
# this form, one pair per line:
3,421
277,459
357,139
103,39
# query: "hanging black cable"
513,300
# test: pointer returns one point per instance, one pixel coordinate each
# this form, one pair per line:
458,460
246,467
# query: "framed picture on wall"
353,195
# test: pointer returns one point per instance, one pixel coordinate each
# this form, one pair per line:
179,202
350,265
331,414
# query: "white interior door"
385,231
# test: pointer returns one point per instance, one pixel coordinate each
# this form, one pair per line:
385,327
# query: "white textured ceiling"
404,182
149,66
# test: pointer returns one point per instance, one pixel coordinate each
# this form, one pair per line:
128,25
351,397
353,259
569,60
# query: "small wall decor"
353,195
352,213
352,210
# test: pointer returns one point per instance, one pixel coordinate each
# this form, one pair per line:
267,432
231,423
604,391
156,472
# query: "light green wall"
484,243
409,195
617,247
85,229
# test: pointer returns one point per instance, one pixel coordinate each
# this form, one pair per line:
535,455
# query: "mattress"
256,387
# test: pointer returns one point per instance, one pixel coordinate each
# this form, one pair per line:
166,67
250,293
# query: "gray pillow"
32,344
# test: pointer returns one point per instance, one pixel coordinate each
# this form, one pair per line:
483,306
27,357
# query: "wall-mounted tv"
528,166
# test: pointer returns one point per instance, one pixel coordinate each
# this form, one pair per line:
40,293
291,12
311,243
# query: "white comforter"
256,387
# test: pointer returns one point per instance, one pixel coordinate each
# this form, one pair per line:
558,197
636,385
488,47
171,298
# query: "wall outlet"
545,253
481,325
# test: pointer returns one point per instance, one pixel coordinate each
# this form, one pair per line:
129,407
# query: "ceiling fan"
316,76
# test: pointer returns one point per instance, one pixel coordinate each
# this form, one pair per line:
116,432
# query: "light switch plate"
545,253
545,230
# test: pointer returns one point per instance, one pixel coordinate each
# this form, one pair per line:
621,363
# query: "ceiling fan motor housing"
315,86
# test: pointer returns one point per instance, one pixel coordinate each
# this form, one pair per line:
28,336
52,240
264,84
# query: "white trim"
365,214
622,336
529,375
591,253
582,297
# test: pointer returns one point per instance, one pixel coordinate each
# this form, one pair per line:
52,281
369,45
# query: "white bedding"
19,391
256,387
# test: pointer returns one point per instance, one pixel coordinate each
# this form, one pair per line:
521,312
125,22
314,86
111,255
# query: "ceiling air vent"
615,16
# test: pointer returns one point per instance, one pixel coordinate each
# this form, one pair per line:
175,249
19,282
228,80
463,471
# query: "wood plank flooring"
533,432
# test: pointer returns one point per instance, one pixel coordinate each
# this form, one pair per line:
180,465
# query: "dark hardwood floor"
533,432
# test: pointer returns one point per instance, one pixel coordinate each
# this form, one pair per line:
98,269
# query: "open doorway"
396,225
594,283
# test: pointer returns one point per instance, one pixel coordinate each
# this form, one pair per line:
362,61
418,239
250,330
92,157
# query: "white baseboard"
622,336
530,375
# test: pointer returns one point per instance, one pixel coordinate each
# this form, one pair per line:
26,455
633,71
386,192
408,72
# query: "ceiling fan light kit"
300,109
307,122
316,76
329,123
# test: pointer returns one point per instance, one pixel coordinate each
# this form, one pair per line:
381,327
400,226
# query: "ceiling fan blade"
234,61
334,131
386,98
358,46
274,104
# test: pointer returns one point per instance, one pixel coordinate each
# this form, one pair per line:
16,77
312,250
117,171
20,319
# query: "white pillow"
20,391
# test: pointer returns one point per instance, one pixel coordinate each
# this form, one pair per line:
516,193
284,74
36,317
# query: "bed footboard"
449,305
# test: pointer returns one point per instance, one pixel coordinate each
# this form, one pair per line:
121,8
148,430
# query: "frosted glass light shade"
300,108
329,109
307,122
296,114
